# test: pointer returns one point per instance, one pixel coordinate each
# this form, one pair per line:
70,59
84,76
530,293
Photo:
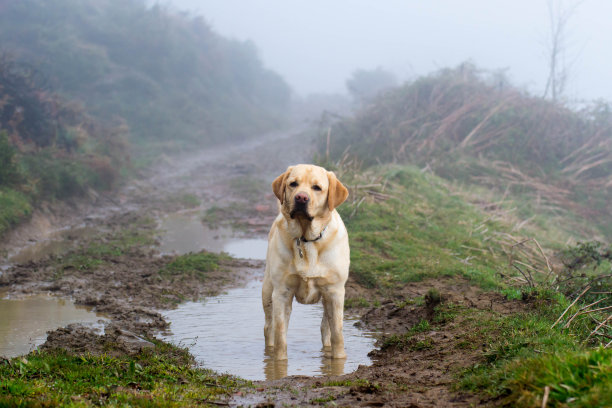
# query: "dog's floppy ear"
279,184
337,193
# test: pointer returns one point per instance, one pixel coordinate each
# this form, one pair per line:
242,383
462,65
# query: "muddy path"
206,174
229,186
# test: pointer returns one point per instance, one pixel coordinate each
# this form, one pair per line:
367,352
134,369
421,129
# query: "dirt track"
237,177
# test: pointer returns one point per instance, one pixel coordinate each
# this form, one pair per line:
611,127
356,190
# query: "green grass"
194,264
214,216
406,341
422,232
189,200
350,303
523,354
323,400
14,208
163,376
249,186
360,382
576,378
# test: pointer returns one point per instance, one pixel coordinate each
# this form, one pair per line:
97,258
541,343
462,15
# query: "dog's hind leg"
266,300
325,331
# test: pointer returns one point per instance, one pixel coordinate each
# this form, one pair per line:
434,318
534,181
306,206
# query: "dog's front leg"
333,304
281,311
266,299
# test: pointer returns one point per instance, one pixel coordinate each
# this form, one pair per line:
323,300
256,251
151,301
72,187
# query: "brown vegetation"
465,128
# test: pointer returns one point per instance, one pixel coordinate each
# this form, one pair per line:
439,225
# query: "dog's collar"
301,239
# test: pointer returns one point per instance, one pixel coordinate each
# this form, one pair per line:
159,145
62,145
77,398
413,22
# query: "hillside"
546,161
50,148
92,89
167,75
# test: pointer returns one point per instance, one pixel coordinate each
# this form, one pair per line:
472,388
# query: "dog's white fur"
322,270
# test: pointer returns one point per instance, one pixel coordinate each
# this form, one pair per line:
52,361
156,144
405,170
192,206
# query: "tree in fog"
559,16
365,84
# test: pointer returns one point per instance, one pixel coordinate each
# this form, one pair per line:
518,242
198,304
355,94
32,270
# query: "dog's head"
308,191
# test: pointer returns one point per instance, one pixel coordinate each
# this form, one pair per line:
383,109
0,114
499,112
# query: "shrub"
9,171
14,207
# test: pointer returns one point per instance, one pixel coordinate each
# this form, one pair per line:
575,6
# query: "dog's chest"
305,260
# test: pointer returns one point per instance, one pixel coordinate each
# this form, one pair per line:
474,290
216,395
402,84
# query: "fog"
317,44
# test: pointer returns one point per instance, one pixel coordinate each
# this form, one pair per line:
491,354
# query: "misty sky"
317,44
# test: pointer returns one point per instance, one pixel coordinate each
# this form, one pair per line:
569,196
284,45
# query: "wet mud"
127,287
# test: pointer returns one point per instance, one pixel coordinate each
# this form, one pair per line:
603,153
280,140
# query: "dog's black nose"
301,198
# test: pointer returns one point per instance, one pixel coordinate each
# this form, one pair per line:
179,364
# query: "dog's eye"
316,188
293,184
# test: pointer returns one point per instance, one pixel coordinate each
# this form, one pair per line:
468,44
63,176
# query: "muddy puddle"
24,322
182,233
225,333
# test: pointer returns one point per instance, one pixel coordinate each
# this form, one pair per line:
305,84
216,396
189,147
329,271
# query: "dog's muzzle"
300,206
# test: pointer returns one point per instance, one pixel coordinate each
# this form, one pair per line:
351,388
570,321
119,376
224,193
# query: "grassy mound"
414,229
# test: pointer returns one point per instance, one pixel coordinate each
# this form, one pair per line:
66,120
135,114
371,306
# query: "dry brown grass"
461,128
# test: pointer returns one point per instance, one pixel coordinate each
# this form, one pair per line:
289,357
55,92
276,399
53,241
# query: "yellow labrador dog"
308,256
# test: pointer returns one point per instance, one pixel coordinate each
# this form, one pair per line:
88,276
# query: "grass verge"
137,233
524,355
194,264
162,376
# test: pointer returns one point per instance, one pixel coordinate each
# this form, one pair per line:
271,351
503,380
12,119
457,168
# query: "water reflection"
333,366
274,369
182,233
277,369
24,322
